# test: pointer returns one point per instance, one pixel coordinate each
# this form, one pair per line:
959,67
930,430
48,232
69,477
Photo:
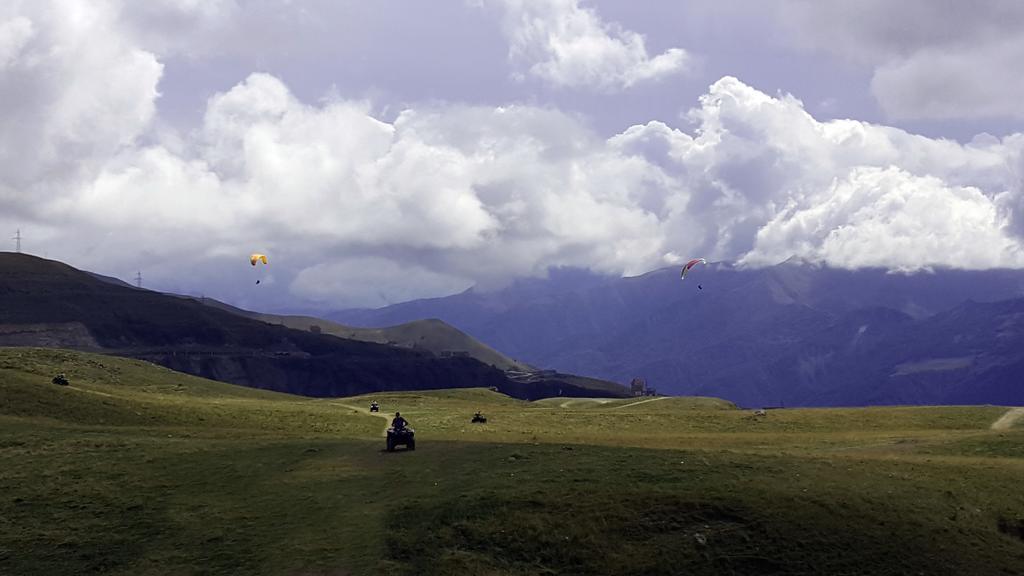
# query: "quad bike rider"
479,418
400,434
374,407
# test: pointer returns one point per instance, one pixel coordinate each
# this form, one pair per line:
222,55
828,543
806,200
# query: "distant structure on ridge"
638,387
17,241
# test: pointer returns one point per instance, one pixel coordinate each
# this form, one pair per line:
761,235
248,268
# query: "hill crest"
185,335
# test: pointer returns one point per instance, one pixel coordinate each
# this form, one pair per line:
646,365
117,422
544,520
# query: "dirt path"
655,399
97,392
1007,420
568,403
384,432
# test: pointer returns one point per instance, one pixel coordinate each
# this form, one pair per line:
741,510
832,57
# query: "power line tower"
138,279
17,241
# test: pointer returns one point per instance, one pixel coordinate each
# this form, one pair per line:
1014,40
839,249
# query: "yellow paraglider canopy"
257,258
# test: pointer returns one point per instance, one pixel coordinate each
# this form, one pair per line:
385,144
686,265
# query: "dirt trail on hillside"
568,403
655,399
97,392
1007,420
366,411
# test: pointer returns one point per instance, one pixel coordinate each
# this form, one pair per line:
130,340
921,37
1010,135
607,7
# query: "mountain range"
48,303
794,334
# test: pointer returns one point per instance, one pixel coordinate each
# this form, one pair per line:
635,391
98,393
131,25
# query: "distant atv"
401,437
374,407
479,419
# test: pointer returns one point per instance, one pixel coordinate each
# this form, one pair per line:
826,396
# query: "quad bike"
478,419
374,407
401,437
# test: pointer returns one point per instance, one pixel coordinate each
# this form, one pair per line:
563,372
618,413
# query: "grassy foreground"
134,469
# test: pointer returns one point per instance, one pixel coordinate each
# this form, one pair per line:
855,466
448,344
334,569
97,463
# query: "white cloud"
14,34
354,210
567,45
953,60
73,90
939,82
479,194
889,218
766,181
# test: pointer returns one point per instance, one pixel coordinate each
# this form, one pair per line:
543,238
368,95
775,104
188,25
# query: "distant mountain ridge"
793,334
433,335
47,303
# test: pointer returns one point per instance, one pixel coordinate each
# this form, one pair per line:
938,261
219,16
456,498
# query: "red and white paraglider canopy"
691,264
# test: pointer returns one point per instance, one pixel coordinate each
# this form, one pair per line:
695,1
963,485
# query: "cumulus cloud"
931,60
887,217
477,194
356,210
767,181
441,198
570,46
73,89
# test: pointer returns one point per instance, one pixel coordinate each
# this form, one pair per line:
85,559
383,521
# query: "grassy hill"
136,469
43,302
113,391
431,334
444,340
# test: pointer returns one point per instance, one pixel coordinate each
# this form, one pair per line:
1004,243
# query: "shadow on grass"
637,534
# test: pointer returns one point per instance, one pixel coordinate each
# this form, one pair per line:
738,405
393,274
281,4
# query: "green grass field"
135,469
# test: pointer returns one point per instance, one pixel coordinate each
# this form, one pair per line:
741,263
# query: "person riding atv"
398,422
400,434
479,418
374,407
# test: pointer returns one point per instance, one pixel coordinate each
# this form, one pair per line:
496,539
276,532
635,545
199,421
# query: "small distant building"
638,387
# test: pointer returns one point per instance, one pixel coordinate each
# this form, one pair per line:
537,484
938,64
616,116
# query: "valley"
135,469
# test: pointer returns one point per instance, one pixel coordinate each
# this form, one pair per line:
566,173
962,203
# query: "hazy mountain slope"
789,334
433,335
443,340
188,336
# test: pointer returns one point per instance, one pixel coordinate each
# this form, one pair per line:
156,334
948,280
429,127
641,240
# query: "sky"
379,152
